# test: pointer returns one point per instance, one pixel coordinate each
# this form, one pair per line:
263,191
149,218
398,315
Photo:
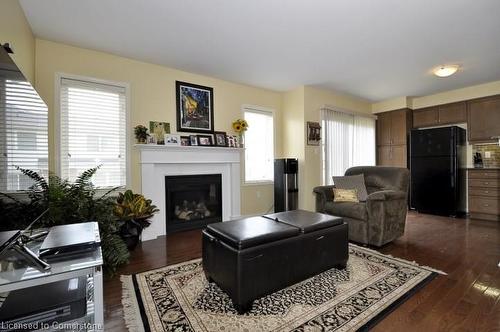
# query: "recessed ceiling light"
445,71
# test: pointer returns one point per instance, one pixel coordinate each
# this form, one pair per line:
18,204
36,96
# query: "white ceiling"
374,49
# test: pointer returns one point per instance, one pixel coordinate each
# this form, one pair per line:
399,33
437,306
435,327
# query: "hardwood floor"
467,299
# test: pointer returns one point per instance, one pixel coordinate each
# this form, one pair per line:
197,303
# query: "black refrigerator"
438,166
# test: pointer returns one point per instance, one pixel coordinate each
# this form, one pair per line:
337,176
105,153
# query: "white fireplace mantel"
158,161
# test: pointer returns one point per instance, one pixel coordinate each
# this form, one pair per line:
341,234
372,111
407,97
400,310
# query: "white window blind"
347,140
93,131
259,146
23,133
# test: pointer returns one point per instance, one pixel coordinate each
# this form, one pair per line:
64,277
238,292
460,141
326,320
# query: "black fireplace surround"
192,201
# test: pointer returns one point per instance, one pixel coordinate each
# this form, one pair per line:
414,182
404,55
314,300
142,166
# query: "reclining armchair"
379,220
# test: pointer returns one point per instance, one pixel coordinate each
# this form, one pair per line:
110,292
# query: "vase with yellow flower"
240,126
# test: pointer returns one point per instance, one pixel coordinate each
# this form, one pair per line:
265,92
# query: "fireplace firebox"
192,201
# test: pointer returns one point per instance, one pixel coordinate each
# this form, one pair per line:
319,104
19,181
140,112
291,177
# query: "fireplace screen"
192,201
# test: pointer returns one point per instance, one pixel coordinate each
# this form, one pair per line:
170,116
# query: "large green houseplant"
68,202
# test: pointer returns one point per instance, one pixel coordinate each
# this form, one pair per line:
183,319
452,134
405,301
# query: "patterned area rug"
178,298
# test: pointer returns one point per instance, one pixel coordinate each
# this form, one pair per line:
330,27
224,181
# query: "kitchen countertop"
483,168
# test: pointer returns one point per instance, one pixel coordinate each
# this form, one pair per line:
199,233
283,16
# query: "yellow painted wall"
152,97
471,92
293,131
299,106
14,29
391,104
314,100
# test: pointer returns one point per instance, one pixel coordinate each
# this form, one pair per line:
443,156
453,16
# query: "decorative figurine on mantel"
141,134
240,126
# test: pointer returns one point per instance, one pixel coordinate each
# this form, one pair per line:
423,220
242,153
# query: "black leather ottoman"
253,257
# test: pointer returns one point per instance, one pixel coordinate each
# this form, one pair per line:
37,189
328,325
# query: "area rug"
179,298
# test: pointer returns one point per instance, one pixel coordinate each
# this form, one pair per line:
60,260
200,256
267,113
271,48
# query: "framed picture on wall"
195,107
313,133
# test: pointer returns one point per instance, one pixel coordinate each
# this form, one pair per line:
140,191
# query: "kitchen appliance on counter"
478,160
438,170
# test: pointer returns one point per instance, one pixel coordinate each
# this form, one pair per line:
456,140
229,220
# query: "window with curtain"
93,131
23,132
259,146
347,140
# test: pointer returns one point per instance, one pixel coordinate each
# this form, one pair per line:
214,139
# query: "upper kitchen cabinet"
425,117
452,113
392,130
392,127
484,119
440,115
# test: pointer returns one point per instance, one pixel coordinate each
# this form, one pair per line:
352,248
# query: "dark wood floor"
467,299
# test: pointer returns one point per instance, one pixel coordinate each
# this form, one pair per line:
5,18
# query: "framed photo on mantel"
195,107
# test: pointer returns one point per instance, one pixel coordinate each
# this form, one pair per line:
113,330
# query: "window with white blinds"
23,132
93,131
259,146
347,140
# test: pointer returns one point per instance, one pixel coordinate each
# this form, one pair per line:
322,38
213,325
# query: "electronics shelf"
16,275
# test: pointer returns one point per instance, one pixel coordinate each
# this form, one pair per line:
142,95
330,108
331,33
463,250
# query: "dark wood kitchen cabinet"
484,119
425,117
484,193
392,133
392,155
452,113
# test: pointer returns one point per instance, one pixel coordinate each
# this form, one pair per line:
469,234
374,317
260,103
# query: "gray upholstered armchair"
379,220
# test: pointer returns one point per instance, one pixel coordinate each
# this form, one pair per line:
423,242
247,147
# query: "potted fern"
68,203
134,212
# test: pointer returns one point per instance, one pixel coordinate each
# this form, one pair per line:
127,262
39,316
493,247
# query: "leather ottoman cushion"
347,209
306,221
249,232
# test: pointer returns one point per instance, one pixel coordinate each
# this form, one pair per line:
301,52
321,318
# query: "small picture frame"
172,139
151,139
231,142
313,133
205,140
220,138
185,141
193,140
158,130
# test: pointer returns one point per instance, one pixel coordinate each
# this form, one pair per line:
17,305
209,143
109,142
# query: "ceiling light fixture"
445,71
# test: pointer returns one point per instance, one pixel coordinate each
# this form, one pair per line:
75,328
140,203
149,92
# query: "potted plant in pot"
141,134
133,212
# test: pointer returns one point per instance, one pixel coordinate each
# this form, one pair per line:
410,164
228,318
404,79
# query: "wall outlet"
258,193
487,154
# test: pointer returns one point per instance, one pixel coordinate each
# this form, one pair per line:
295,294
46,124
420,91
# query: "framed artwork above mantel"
195,107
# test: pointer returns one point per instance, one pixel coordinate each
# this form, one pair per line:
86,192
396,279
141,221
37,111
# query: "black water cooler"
286,184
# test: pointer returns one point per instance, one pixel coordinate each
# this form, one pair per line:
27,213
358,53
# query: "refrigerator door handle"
453,171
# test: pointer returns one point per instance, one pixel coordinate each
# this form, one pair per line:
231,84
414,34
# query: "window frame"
268,111
323,140
22,194
57,121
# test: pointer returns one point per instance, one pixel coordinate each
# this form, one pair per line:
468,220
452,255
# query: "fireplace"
192,201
